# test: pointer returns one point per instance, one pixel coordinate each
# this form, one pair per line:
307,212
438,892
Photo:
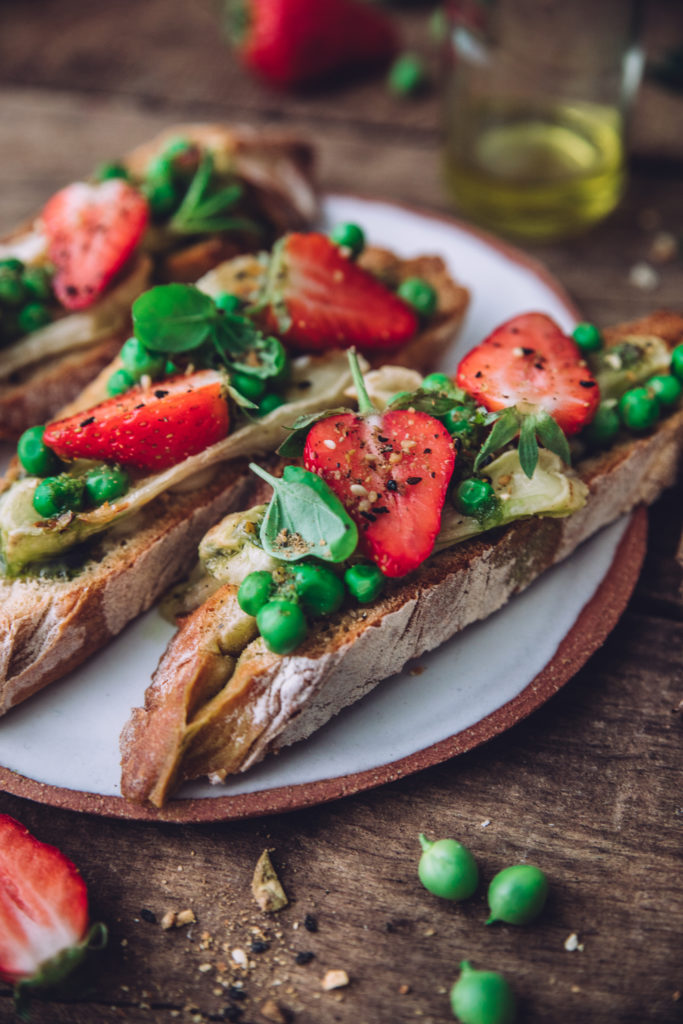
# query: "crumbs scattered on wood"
266,887
335,979
571,943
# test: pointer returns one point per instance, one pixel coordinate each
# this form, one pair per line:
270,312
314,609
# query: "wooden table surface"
588,787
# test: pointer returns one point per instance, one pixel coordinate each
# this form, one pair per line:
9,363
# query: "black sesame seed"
304,957
392,485
380,509
479,374
427,451
148,915
303,384
369,516
160,393
310,921
236,993
259,946
86,423
587,383
414,479
382,439
527,351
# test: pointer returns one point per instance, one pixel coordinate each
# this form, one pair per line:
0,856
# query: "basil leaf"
552,436
528,446
293,446
504,430
436,403
305,518
173,318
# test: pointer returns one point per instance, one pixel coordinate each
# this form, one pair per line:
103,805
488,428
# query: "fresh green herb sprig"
205,209
305,518
178,318
533,426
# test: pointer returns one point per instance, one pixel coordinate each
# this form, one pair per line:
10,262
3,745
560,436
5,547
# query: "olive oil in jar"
535,172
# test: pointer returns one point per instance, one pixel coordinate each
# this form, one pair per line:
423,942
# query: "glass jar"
537,94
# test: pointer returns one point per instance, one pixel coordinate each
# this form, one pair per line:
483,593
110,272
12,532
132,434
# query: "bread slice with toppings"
42,371
220,700
49,624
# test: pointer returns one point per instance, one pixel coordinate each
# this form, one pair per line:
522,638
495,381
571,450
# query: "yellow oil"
536,173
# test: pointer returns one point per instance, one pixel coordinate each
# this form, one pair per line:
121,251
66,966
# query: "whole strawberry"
44,932
295,42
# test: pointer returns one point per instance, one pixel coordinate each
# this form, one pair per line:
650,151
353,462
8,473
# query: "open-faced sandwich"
169,211
103,508
398,525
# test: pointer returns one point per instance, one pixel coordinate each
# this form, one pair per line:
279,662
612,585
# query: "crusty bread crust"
263,702
277,166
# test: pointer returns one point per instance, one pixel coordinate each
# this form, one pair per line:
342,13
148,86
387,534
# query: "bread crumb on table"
335,979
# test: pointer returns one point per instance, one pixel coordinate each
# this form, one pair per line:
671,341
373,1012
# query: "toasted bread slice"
48,626
220,700
38,378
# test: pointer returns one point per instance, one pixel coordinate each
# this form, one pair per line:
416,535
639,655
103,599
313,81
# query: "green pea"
587,337
437,382
677,362
447,869
32,316
666,388
269,403
162,196
420,295
138,360
282,625
349,235
365,582
36,458
12,291
255,590
228,302
604,426
106,483
474,496
407,75
517,894
639,410
106,171
11,265
457,420
482,997
253,388
321,591
119,382
38,283
57,494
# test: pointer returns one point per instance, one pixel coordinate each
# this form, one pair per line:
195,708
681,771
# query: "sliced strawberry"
43,903
291,42
530,360
151,428
391,471
331,302
91,231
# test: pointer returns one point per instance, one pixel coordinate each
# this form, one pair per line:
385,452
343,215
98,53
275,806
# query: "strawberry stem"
365,406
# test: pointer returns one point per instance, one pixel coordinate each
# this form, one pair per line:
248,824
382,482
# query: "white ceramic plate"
67,736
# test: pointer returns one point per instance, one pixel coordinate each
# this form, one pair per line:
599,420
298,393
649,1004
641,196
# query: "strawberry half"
43,912
291,42
530,360
92,230
391,470
148,429
331,302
